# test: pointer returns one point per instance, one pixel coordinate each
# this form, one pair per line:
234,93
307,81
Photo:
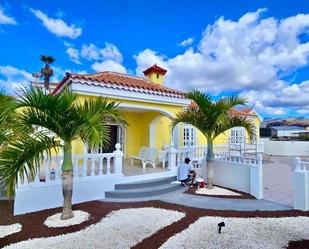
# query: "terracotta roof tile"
117,80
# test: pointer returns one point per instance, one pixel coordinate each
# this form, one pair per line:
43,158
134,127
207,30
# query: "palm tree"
66,118
7,103
47,71
212,118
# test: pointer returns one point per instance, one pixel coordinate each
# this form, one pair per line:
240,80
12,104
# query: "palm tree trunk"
67,181
210,167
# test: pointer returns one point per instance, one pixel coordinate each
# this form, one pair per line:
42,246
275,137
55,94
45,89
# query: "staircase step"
142,192
145,183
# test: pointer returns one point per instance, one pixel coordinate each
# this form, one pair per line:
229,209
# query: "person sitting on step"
186,173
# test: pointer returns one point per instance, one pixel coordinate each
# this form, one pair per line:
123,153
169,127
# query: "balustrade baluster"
47,170
92,166
85,165
101,165
58,169
108,165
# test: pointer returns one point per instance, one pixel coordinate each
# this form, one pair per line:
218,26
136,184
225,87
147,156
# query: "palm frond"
47,59
237,121
94,115
232,101
202,100
21,158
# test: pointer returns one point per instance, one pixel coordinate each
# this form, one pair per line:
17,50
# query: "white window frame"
189,135
237,135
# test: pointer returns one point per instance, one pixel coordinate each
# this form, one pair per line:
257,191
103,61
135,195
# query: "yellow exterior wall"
153,77
224,137
137,131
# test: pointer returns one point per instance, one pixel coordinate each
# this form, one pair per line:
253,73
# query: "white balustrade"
112,162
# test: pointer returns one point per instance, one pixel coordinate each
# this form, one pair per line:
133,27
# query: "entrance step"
142,189
146,183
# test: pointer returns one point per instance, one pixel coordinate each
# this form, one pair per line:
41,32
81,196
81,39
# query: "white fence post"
171,157
256,178
300,187
118,155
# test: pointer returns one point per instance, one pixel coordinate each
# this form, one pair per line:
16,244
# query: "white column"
256,178
301,187
171,157
118,157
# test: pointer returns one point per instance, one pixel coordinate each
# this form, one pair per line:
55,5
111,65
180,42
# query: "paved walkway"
278,179
180,198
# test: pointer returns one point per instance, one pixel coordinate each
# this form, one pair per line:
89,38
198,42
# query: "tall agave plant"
46,71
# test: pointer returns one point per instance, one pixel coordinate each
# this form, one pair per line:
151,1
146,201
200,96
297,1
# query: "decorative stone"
55,220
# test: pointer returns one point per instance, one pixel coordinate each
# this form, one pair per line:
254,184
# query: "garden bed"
229,193
33,223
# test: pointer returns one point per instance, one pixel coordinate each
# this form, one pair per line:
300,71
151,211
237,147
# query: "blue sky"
255,48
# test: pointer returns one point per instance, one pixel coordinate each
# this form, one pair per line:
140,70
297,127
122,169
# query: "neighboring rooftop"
288,128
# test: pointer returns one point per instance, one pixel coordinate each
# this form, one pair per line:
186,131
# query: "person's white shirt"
184,171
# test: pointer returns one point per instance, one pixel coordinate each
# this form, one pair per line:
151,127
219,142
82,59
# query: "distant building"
265,132
287,131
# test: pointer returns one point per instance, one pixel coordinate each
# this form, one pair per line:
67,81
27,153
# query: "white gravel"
120,229
55,220
216,191
241,233
10,229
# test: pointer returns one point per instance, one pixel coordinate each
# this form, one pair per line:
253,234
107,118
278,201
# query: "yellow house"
148,107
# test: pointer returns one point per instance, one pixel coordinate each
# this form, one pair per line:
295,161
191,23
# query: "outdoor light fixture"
220,225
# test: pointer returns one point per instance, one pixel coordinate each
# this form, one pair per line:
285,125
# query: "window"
237,135
158,76
189,135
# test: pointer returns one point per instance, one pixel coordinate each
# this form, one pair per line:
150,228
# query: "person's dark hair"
187,160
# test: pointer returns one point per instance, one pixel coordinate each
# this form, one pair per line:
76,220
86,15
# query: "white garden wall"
39,196
301,185
286,148
245,177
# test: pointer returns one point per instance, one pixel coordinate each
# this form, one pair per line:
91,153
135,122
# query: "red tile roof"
155,68
120,81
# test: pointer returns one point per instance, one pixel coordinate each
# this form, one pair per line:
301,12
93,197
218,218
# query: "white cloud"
108,65
12,78
58,26
108,58
73,54
303,111
186,42
248,55
109,52
279,97
5,19
147,58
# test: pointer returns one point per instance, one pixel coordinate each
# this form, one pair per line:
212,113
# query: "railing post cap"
118,146
118,152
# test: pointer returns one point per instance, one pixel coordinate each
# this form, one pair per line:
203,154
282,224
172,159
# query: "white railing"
198,153
301,165
86,165
240,159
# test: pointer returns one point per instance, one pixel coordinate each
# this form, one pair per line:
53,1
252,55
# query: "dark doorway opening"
113,135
